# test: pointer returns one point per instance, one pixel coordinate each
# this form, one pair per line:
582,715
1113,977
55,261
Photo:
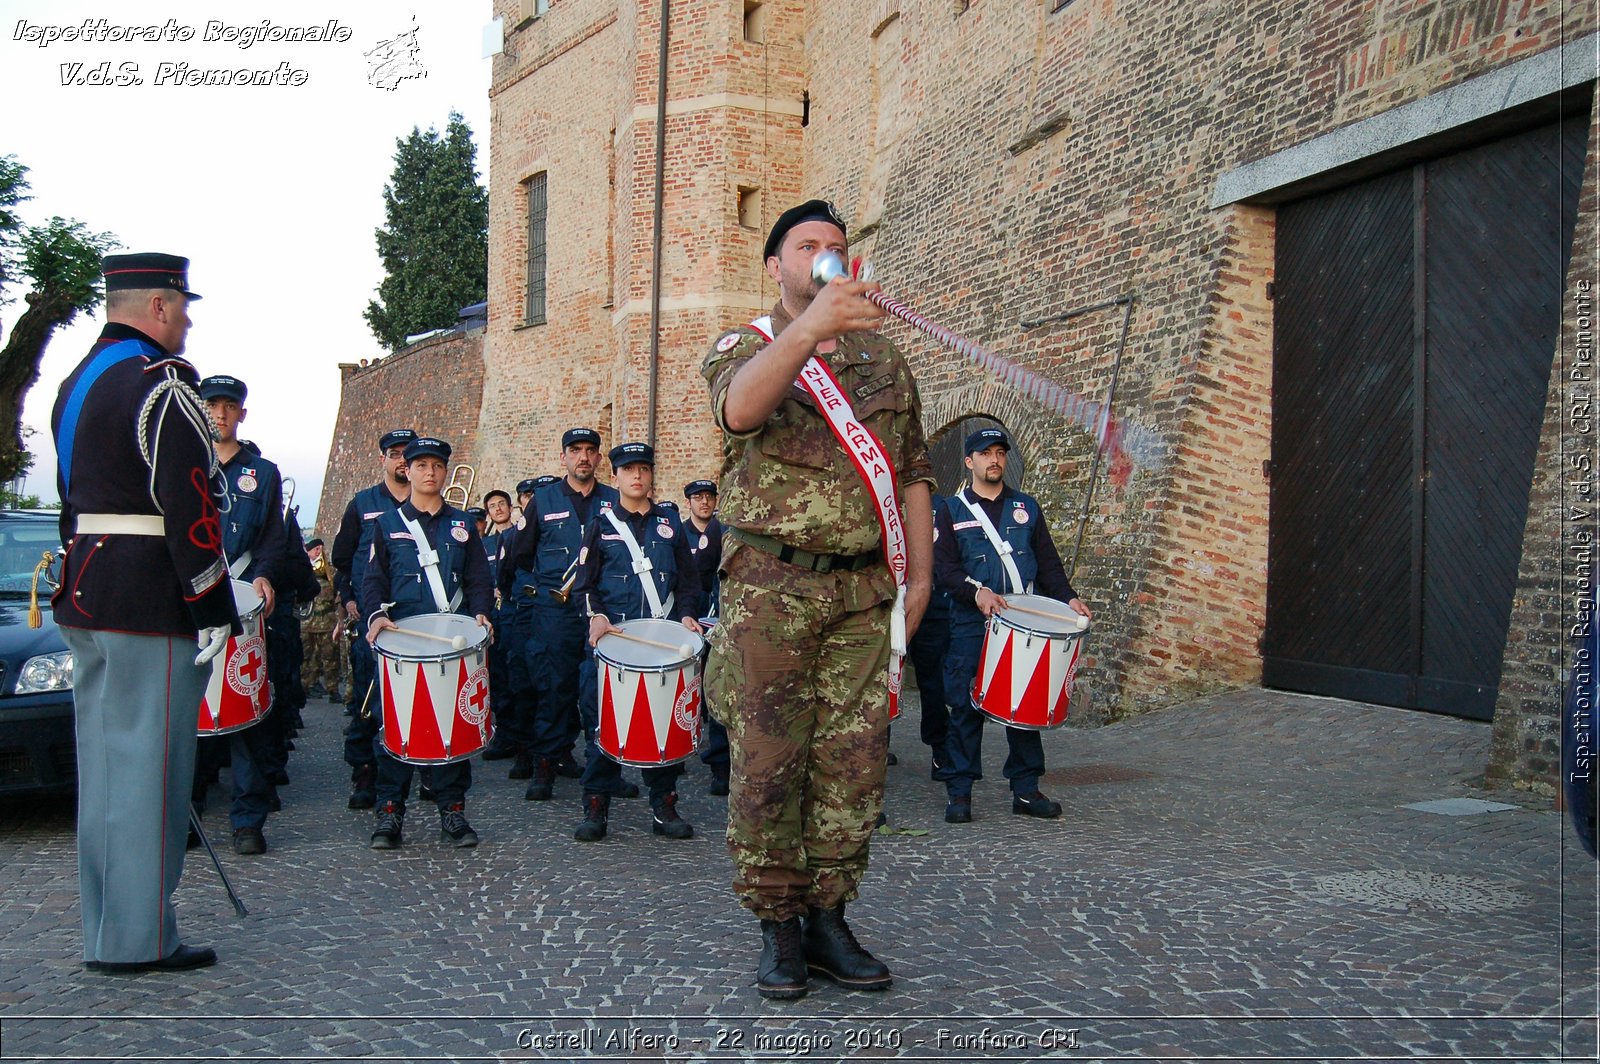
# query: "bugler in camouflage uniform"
321,668
799,659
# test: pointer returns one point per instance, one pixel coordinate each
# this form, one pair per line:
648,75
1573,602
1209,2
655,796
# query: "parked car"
37,742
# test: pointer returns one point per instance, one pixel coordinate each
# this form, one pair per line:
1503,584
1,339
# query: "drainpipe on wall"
655,254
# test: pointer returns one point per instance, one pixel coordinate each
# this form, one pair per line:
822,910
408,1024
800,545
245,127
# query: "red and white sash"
872,461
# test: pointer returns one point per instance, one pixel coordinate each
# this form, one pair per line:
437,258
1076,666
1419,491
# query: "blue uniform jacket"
550,535
352,545
254,518
606,582
394,582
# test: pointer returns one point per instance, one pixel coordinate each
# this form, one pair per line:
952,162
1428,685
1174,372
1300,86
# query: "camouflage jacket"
791,478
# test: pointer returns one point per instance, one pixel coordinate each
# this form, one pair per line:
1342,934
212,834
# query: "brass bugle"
568,578
455,484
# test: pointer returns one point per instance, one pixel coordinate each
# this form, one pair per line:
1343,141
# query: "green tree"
435,239
60,261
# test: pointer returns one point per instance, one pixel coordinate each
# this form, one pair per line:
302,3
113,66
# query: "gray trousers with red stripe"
137,699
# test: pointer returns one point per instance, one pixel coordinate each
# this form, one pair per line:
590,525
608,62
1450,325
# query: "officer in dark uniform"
705,543
253,540
294,583
394,586
352,546
543,568
497,511
610,589
143,571
969,567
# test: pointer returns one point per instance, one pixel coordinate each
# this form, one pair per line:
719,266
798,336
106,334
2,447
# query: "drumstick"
457,642
682,649
1082,621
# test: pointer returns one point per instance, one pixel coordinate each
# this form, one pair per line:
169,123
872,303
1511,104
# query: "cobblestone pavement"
1235,879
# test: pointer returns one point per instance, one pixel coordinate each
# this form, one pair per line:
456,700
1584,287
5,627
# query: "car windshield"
23,540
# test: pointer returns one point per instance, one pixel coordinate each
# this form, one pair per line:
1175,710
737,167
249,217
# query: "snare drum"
435,696
1025,672
649,696
237,693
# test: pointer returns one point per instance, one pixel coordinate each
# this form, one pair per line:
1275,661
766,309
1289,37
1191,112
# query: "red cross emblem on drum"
472,704
247,667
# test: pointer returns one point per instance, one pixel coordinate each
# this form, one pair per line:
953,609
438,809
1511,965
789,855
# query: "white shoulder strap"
430,567
641,566
1001,546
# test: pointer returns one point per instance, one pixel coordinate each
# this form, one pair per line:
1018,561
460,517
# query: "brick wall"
434,386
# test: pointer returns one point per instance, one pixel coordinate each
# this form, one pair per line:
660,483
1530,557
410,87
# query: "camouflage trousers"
321,663
799,681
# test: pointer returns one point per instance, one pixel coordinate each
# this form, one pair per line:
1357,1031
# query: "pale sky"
273,191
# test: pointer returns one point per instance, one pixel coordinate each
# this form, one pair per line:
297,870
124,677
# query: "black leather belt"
817,563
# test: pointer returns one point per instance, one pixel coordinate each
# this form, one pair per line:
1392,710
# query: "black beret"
427,445
147,269
572,436
315,542
396,438
984,439
695,487
631,454
810,211
223,386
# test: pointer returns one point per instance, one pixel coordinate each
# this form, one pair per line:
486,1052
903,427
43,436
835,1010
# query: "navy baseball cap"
667,504
147,269
525,487
545,478
625,454
696,487
427,445
477,513
396,438
810,211
223,386
984,439
572,436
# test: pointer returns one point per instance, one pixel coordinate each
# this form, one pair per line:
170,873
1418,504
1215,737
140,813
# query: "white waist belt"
121,524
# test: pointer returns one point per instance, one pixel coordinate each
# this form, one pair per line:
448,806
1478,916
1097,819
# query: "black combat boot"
362,794
522,767
453,826
596,810
782,974
391,822
666,821
544,779
831,950
719,781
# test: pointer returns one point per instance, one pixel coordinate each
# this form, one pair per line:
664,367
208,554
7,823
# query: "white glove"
211,641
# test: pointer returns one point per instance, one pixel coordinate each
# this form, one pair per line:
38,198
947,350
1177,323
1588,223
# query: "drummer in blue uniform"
634,562
352,546
542,570
253,539
497,513
705,543
991,541
402,581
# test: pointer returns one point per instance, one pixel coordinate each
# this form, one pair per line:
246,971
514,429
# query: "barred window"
538,211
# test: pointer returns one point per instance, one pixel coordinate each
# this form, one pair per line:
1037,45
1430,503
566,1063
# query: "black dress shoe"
959,811
248,841
568,769
180,959
498,751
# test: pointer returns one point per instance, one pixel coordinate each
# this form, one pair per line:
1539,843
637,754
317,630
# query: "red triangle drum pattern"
649,719
425,702
1024,678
